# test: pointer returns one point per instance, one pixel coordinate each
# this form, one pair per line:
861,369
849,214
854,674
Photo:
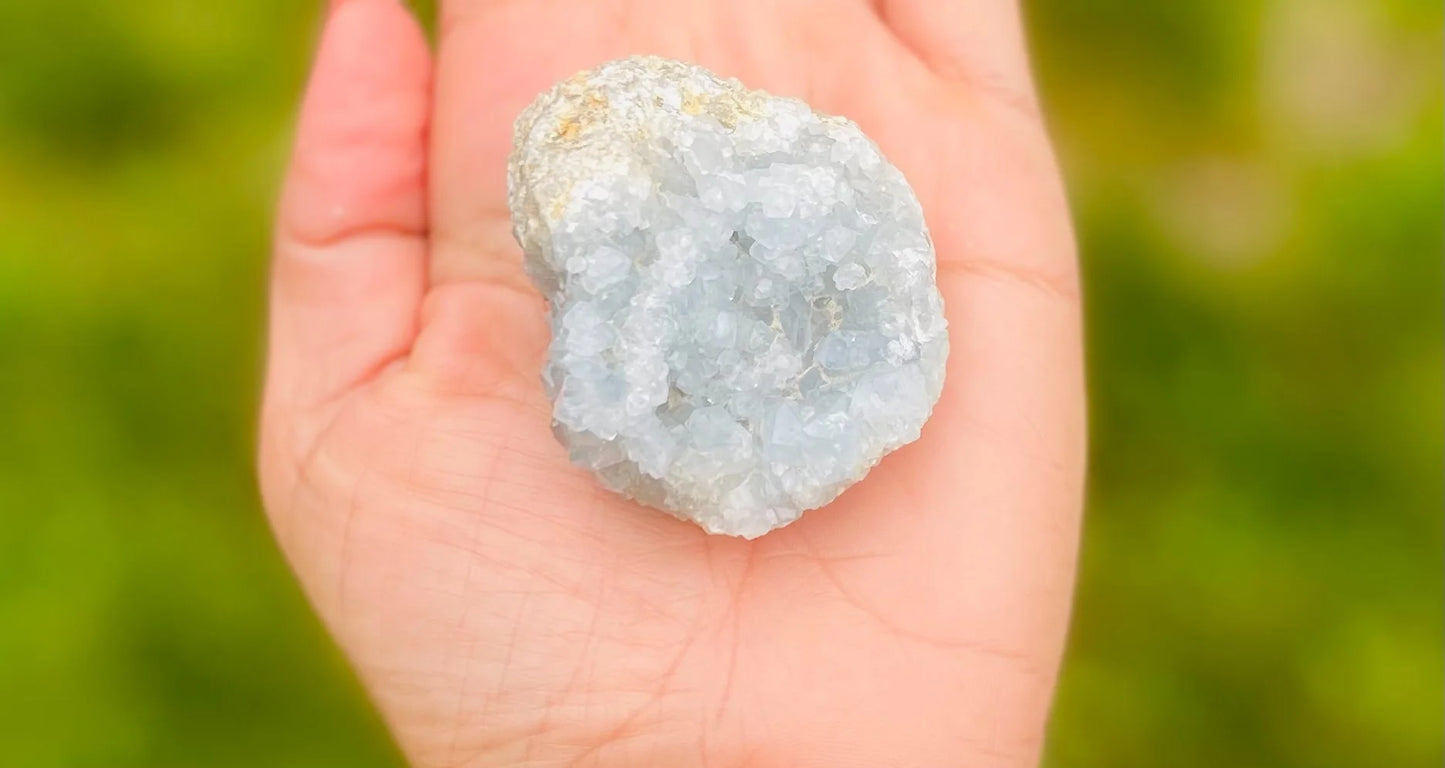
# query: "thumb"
350,250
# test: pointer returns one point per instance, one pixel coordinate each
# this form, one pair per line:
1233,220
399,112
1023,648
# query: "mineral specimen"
741,291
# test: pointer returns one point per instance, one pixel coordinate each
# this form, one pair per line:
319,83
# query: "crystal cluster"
741,291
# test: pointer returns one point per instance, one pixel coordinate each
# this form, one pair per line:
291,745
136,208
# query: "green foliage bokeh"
1258,192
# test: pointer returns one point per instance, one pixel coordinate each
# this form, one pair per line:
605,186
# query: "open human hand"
503,610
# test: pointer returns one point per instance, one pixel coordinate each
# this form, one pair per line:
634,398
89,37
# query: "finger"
979,42
494,58
350,254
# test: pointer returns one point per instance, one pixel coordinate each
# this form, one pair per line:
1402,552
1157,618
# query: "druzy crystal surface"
741,291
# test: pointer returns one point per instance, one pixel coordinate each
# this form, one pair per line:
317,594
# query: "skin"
503,610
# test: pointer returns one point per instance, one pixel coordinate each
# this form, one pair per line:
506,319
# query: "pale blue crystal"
744,312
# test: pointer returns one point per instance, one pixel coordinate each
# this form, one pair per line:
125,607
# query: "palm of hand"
502,609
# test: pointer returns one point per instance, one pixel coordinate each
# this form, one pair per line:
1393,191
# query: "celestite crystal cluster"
742,297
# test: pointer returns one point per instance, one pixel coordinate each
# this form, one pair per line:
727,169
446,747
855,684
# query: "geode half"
741,291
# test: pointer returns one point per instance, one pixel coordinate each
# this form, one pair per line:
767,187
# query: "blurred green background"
1258,187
